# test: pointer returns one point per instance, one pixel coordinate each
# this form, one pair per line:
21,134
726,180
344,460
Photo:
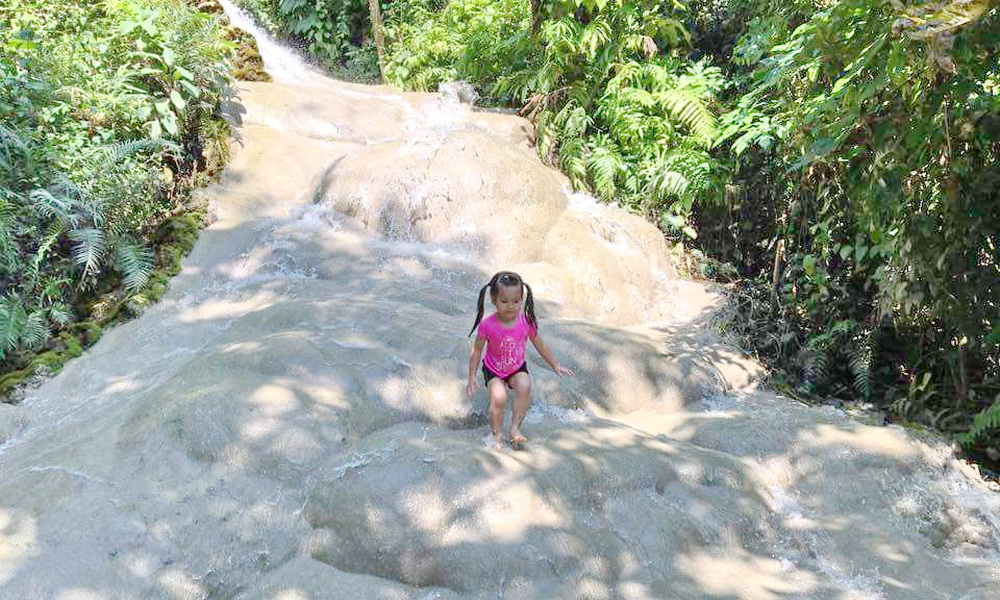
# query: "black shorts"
487,374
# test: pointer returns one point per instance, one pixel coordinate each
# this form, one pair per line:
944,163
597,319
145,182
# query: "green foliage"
986,425
19,327
264,13
104,111
866,191
647,144
336,32
431,42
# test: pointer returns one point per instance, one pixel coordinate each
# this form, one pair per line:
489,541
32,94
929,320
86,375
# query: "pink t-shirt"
505,345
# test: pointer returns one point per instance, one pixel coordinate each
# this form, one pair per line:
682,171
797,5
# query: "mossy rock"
173,239
155,289
247,64
87,332
12,380
68,344
51,360
211,7
180,230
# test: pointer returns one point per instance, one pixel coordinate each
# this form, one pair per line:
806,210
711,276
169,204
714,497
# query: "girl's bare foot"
498,442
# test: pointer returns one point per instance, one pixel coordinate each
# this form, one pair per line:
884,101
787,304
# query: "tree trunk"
779,256
375,15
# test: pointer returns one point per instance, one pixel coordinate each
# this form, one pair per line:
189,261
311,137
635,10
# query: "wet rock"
11,421
458,91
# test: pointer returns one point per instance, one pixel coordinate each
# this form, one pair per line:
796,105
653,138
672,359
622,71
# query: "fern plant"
861,354
475,40
646,144
98,220
985,425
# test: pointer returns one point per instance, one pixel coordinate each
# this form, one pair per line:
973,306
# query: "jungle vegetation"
834,161
110,114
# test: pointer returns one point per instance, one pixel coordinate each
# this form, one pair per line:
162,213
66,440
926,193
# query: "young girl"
503,334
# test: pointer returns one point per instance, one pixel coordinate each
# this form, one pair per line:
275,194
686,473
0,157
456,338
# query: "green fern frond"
627,74
634,42
8,223
36,330
906,408
703,79
658,77
19,328
53,232
50,206
604,164
545,79
53,290
945,419
89,249
546,135
627,121
665,184
815,365
13,322
580,93
572,121
135,263
561,38
572,161
66,188
986,422
631,181
689,109
639,97
595,35
60,313
12,149
861,356
108,155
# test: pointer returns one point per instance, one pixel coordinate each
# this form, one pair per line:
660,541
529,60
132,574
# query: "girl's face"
508,302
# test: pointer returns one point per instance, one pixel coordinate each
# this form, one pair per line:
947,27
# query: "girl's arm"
474,360
549,358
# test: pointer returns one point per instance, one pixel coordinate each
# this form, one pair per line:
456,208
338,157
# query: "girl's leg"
521,382
498,406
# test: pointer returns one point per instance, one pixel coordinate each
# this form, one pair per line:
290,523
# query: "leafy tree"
884,221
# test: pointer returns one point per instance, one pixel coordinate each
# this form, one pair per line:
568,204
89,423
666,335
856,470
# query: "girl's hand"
470,388
563,371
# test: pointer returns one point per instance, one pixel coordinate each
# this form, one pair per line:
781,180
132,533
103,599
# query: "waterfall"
282,63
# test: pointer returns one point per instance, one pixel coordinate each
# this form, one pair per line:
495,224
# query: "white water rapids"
289,422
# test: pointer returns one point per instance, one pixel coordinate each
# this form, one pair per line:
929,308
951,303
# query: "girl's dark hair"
506,279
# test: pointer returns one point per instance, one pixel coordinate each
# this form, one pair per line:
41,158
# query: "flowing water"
289,421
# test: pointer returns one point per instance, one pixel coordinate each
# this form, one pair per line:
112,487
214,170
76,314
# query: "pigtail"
479,309
529,307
